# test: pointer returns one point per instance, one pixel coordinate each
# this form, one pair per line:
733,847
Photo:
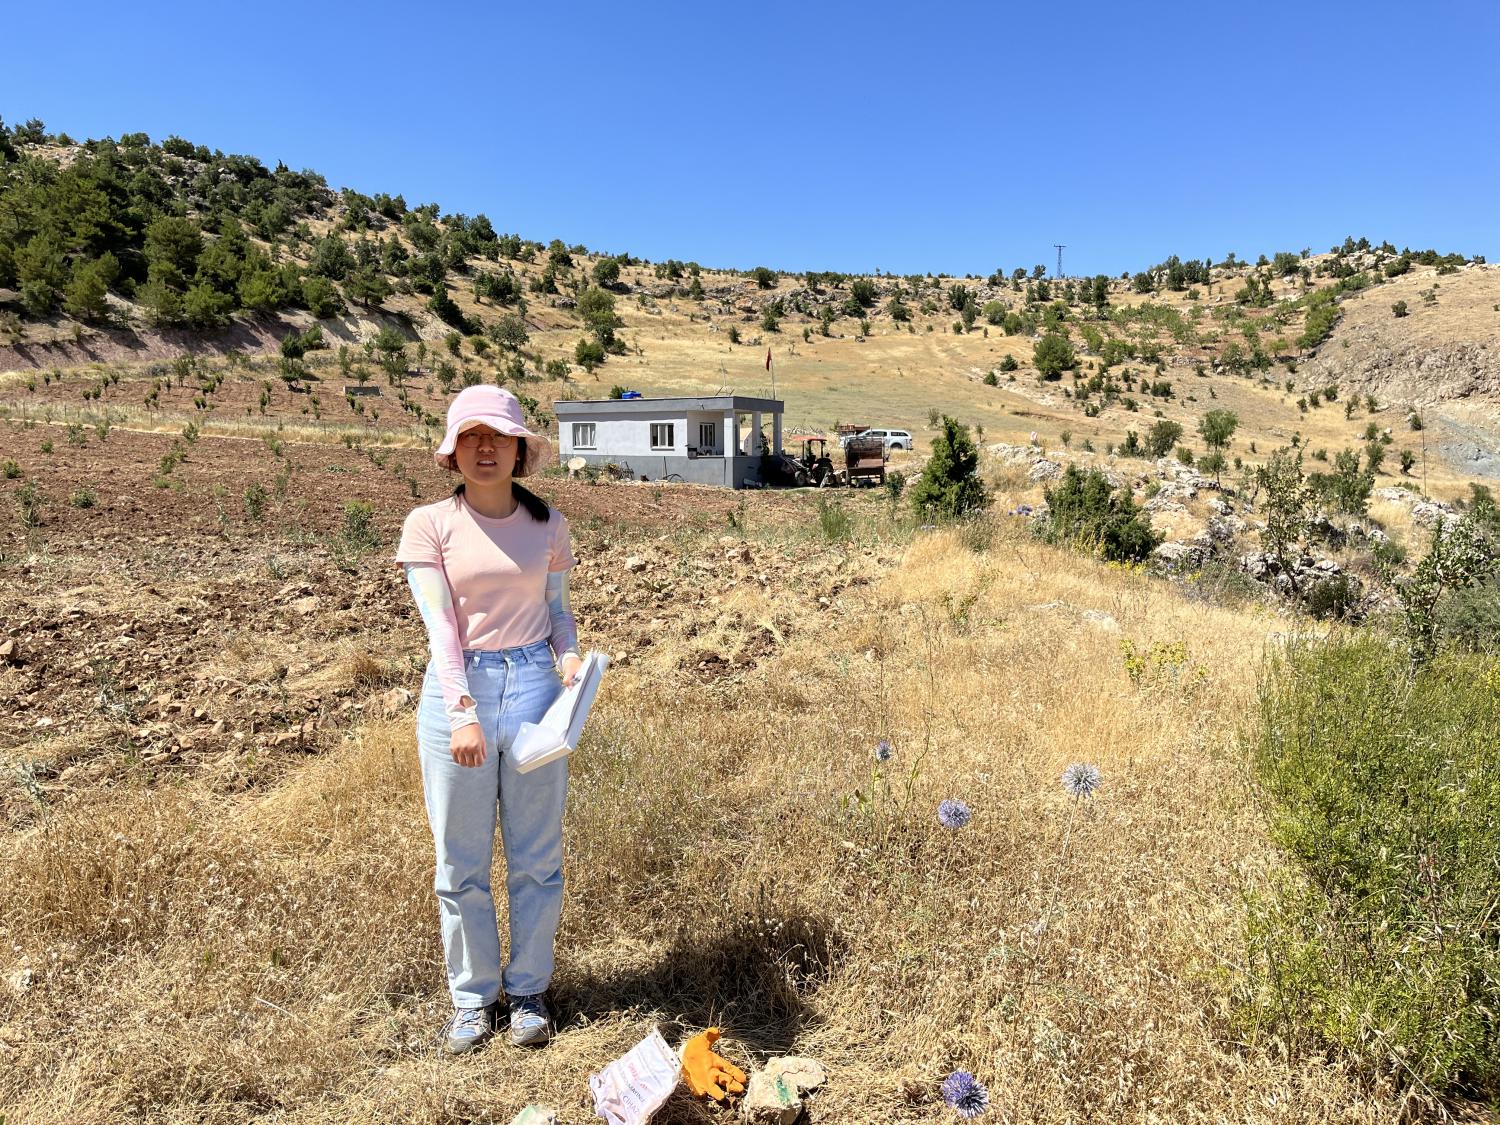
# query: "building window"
708,435
583,435
662,435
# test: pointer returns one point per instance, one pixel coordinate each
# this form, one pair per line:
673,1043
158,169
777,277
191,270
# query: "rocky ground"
163,630
1214,523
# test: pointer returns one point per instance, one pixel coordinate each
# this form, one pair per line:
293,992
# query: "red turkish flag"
768,359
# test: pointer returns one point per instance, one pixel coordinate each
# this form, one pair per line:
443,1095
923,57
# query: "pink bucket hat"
500,410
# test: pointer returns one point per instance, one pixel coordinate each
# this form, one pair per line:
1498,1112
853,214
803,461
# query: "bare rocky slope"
1446,348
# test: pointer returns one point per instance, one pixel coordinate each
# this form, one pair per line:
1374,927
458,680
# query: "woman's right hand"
467,744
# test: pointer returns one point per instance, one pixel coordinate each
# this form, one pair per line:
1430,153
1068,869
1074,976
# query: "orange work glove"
709,1074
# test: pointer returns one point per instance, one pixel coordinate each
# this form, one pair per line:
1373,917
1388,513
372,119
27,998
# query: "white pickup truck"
894,439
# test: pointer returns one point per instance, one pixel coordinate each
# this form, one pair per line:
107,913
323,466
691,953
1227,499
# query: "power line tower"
1059,246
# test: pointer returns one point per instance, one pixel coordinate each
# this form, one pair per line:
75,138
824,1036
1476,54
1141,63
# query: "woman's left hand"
570,666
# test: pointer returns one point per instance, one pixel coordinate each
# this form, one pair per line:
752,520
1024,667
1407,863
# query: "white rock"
1101,620
1428,513
775,1095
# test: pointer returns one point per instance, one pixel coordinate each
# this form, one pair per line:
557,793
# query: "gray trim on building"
726,472
570,407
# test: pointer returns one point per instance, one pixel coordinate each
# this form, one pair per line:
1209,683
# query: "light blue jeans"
511,686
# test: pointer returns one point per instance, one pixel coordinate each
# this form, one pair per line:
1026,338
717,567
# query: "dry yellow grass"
735,856
207,951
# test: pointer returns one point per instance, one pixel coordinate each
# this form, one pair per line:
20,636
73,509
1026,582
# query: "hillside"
219,386
207,254
213,832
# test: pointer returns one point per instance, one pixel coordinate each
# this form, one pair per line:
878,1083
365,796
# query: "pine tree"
367,287
84,298
950,486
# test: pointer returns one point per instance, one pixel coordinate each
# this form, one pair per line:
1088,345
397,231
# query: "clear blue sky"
954,137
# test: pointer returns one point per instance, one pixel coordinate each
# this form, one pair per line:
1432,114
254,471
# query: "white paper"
633,1087
558,733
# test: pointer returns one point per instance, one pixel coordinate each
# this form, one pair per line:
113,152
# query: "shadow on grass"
752,976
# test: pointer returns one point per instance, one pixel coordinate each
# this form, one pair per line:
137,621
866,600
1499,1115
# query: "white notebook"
557,734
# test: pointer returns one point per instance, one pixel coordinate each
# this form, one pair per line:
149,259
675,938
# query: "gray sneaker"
530,1021
469,1027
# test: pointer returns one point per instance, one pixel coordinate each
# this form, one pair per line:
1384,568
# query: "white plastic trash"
557,734
637,1084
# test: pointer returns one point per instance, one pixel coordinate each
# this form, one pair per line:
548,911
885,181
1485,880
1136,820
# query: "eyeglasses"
474,437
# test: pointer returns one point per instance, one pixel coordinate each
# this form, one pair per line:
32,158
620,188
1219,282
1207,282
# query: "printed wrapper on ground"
633,1087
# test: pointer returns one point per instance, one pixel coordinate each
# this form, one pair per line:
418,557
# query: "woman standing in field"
488,568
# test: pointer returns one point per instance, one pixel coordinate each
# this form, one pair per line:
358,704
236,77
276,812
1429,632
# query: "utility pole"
1059,246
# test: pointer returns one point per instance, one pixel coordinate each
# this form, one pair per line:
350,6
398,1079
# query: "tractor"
813,467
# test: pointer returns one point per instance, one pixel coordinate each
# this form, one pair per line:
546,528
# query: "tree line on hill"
193,236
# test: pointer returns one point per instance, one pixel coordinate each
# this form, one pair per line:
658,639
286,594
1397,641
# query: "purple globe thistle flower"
1081,779
965,1094
883,751
953,813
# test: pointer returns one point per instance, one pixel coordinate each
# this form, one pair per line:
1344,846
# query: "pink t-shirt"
496,568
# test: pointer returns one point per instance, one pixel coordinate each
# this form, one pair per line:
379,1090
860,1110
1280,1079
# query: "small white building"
713,440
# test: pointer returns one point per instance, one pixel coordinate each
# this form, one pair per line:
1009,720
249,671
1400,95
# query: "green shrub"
357,530
1470,618
255,502
895,484
1053,355
833,521
1462,556
509,332
1348,487
1332,597
83,498
607,271
1322,315
588,353
1086,514
28,506
1162,437
949,485
9,469
1381,787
